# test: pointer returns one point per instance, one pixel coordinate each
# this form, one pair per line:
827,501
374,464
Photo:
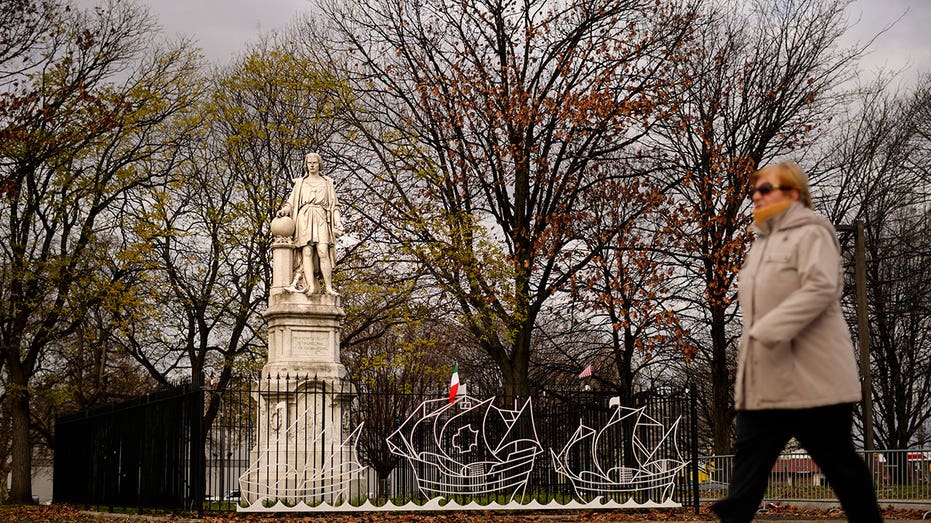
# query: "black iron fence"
146,452
299,440
295,442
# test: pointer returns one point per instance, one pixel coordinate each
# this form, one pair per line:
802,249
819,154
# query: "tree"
83,371
74,127
876,171
481,123
626,289
393,370
900,344
204,233
758,81
25,28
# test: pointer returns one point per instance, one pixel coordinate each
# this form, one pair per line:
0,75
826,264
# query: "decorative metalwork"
653,469
265,452
469,448
298,476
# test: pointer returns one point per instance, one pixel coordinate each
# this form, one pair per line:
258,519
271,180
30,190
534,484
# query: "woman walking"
796,369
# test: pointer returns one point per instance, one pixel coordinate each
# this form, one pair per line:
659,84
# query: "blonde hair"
790,174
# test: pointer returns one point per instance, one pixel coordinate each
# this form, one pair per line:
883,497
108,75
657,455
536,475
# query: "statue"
303,349
313,207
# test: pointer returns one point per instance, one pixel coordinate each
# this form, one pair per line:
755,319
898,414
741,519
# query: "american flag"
586,373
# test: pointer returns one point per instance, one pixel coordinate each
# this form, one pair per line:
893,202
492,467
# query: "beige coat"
795,349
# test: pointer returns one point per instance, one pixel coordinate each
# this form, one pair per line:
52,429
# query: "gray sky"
906,45
223,27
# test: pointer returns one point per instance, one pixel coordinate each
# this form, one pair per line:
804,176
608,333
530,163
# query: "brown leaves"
40,514
66,513
60,513
9,188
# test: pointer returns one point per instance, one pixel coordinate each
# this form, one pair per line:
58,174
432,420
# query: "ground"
69,514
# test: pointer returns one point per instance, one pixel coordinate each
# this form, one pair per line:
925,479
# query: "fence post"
693,417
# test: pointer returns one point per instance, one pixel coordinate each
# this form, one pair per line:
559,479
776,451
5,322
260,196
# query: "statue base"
303,335
302,450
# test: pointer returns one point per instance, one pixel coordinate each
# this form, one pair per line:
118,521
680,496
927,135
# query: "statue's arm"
337,221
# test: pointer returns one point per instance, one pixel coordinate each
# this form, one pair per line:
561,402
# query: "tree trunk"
516,372
720,386
21,484
516,383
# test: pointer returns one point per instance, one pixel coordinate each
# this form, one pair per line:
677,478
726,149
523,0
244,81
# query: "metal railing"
150,452
250,442
900,476
145,452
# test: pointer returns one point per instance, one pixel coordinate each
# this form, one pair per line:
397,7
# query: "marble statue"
315,211
300,426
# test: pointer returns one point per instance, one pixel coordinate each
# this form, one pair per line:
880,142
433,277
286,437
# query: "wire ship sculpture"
595,466
469,448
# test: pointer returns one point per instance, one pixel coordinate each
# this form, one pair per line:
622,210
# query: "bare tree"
626,291
392,373
482,120
877,171
26,27
761,77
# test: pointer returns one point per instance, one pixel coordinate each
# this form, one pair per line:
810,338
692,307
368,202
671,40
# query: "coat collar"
796,215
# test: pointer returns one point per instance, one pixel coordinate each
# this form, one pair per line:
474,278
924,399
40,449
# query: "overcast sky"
223,27
906,45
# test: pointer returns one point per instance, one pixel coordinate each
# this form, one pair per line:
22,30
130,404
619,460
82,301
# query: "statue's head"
312,163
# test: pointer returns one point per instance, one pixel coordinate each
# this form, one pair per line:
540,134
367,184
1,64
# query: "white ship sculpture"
468,448
655,451
284,474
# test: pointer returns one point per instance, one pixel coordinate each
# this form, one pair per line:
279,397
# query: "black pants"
825,433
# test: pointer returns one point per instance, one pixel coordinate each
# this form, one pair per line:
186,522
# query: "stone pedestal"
304,453
303,335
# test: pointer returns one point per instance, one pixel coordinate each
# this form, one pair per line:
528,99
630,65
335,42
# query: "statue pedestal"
303,335
303,452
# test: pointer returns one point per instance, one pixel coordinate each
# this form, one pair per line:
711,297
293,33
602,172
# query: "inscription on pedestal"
313,345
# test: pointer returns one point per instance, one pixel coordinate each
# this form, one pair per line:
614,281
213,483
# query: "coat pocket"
777,257
780,273
774,372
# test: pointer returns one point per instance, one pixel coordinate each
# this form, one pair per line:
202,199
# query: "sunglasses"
766,188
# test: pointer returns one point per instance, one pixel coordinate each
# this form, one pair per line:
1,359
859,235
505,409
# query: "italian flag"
454,383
